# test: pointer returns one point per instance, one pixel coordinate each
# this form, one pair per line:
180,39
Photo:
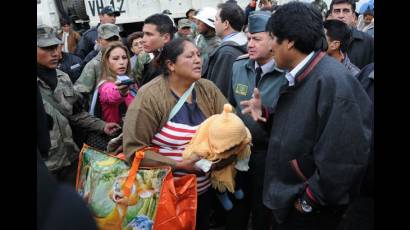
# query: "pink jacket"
110,100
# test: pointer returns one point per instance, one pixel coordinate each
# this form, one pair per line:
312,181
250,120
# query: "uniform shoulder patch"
243,56
241,89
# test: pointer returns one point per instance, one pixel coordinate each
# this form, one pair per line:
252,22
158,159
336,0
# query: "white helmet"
207,16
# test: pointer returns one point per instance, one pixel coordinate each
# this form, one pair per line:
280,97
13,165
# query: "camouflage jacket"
87,81
58,104
143,58
206,45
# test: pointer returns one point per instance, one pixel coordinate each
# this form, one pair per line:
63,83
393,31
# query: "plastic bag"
121,197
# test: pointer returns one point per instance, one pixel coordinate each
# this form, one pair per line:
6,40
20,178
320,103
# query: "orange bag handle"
139,155
80,160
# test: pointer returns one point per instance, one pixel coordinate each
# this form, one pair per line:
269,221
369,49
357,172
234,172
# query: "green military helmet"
46,37
182,23
108,30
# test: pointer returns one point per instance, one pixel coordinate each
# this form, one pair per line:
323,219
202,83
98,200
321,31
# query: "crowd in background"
299,75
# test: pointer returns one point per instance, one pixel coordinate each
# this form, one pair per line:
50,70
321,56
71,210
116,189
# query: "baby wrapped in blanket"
217,138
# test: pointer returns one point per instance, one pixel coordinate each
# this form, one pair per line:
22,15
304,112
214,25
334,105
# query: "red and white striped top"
171,141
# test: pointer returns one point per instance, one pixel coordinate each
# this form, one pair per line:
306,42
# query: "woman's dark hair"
300,23
134,36
338,31
170,52
234,14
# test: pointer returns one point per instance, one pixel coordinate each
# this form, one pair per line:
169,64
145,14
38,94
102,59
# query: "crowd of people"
300,76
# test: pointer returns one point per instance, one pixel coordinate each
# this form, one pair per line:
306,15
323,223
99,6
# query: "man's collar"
227,37
292,74
268,67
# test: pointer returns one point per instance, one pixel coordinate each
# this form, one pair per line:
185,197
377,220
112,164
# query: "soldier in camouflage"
60,105
91,73
143,59
184,29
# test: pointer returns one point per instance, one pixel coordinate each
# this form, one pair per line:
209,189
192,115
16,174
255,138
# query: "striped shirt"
177,133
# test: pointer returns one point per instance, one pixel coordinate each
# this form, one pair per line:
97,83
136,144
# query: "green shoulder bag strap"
181,102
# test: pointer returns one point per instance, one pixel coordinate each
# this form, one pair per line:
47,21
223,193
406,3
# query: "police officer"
87,42
60,105
255,69
88,79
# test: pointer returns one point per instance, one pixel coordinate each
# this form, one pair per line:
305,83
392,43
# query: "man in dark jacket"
320,127
228,24
69,64
360,213
87,42
360,50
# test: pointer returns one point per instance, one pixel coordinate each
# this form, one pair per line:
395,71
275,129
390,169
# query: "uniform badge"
241,89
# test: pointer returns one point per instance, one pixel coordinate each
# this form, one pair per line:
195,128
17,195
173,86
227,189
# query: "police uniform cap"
257,21
109,10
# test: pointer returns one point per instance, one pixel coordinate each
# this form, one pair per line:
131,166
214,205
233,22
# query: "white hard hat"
207,15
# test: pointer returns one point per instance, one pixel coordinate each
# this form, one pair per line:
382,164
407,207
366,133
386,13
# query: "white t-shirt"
65,37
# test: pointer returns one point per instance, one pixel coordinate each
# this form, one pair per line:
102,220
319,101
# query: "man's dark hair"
163,23
233,13
338,31
170,52
351,2
189,11
301,23
134,36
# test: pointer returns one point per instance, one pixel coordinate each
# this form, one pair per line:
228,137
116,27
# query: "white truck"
133,12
